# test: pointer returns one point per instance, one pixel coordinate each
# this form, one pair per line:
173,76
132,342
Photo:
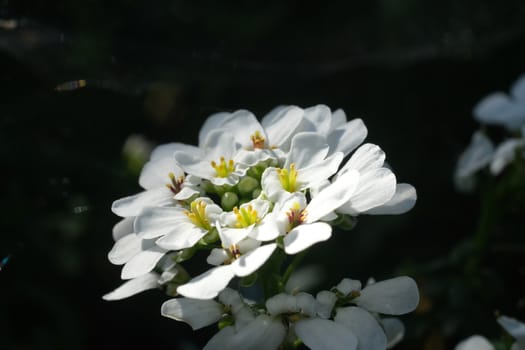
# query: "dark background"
411,69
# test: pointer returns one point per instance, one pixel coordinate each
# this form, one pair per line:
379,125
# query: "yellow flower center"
296,216
175,184
223,169
197,214
288,178
257,140
246,216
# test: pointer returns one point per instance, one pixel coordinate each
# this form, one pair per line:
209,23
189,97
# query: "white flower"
516,329
475,342
218,161
377,191
149,280
395,296
163,180
477,155
237,258
341,136
299,221
306,164
501,109
178,227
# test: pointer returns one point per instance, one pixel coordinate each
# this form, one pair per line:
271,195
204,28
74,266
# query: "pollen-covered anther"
175,184
257,140
223,169
197,214
288,178
246,216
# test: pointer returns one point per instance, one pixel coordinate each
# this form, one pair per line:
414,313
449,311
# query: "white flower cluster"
498,109
253,192
345,317
514,327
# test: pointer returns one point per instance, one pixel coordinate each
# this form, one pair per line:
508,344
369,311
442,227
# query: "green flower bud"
256,193
247,185
229,200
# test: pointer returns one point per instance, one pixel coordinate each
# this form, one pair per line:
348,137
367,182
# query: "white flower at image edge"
475,342
502,109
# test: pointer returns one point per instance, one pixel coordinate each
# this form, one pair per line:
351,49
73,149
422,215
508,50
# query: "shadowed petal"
197,313
134,286
319,334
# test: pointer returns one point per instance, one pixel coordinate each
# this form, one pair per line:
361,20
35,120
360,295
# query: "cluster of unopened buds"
256,196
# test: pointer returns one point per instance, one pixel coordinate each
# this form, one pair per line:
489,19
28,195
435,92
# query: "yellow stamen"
288,178
246,216
257,140
223,169
197,214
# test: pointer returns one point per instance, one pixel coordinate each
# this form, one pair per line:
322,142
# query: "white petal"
231,236
168,150
332,196
124,249
304,236
394,330
250,262
513,327
158,221
365,158
242,125
306,304
220,143
319,334
134,286
505,154
208,284
338,119
266,230
271,185
195,165
123,227
133,205
321,117
346,138
347,285
395,296
221,340
156,173
369,333
196,313
403,200
476,156
213,122
475,342
281,303
217,256
376,187
181,239
518,88
263,333
491,108
319,171
308,148
142,263
325,303
280,125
